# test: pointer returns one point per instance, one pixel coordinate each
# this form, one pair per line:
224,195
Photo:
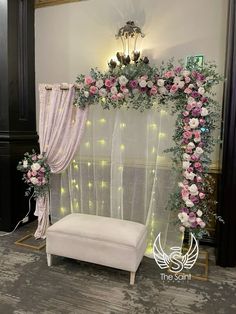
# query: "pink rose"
196,112
93,90
194,199
197,133
187,134
192,217
187,128
114,97
29,174
199,179
108,83
194,158
178,69
184,193
88,80
34,157
33,173
202,195
204,99
120,96
144,77
189,107
174,89
188,150
185,113
125,91
198,166
187,91
153,90
202,121
169,74
133,83
202,224
187,79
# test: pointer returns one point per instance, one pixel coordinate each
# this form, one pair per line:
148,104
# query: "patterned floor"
28,286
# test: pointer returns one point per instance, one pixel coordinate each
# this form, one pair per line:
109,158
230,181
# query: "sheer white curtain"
121,171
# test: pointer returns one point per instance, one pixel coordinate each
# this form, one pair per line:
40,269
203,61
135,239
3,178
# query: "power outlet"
26,219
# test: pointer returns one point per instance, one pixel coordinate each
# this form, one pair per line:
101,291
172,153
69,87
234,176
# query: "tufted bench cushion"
101,240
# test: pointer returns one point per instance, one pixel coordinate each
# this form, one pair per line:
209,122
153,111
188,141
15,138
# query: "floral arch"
189,92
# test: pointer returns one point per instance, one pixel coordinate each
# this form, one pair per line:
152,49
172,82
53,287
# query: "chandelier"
129,35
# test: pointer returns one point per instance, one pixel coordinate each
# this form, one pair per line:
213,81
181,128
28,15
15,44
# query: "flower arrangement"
189,93
133,86
36,173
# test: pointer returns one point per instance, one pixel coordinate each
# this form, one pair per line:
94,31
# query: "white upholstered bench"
101,240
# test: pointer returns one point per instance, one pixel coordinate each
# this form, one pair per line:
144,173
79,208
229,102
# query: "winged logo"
176,261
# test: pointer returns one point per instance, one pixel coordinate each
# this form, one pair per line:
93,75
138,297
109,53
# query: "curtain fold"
61,127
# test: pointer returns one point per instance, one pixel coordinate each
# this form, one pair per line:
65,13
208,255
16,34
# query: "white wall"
72,38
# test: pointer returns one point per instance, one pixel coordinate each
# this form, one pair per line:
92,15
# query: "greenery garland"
189,93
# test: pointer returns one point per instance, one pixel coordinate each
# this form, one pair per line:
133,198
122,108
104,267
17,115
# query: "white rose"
186,157
114,90
36,166
186,164
189,203
191,86
135,91
123,80
177,79
160,82
199,83
25,163
193,123
199,213
163,90
199,151
189,175
149,84
186,73
187,224
142,83
181,229
34,180
183,217
181,84
197,140
191,100
102,92
99,83
190,145
86,94
193,189
204,112
201,90
180,184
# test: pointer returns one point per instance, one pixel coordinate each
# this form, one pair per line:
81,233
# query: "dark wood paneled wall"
17,104
226,233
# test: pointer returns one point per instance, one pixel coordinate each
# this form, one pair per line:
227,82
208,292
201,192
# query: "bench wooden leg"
132,277
49,259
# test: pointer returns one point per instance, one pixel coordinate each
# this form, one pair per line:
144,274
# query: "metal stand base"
34,247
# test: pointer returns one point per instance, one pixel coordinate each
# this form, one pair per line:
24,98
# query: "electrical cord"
22,220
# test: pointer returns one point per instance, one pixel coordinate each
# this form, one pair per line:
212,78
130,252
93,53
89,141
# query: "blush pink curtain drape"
61,127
